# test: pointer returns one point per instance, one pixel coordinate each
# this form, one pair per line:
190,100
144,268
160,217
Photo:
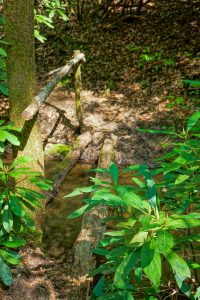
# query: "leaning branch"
33,108
68,162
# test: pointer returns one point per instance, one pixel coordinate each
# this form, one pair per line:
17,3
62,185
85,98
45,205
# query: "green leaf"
7,218
10,256
181,178
79,212
151,262
4,89
164,241
3,52
138,182
28,220
151,194
178,265
193,120
124,295
197,295
139,238
183,223
131,168
5,273
114,172
133,200
99,287
80,191
121,280
16,207
12,138
20,160
13,244
102,170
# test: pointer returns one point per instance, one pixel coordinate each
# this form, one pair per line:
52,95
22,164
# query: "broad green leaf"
105,268
114,172
28,220
178,264
133,200
16,207
20,161
4,89
188,238
7,218
183,223
99,287
14,140
79,212
138,182
3,52
151,262
13,244
193,120
5,273
10,256
139,238
164,241
181,178
121,280
131,168
197,295
80,191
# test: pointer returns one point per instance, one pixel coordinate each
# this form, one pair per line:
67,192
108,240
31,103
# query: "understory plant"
152,248
17,202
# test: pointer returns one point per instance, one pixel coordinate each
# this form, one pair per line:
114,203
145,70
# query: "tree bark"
19,15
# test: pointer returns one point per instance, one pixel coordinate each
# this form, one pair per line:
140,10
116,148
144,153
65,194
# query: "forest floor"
132,79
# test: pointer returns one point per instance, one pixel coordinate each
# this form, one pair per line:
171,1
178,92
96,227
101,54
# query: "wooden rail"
33,108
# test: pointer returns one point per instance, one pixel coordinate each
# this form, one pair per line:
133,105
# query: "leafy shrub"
50,9
152,247
16,203
3,72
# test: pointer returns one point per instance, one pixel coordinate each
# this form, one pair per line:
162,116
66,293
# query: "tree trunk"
19,15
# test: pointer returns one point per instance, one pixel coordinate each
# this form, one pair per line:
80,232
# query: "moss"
58,149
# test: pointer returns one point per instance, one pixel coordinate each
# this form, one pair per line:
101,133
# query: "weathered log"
68,162
81,259
33,108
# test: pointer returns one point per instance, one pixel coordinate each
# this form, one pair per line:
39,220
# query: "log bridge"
80,260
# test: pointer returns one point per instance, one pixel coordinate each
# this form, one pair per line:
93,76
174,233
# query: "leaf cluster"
150,249
17,202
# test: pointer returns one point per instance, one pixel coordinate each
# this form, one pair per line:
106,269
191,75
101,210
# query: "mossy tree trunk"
19,15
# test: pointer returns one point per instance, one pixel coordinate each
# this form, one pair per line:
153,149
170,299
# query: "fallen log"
81,260
68,162
33,108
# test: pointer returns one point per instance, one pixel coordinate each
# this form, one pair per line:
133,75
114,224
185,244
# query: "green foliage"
3,73
50,10
16,203
156,59
149,246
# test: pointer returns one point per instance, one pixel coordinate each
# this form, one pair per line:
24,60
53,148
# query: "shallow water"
59,232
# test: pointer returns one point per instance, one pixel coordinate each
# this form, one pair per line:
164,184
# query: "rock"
97,138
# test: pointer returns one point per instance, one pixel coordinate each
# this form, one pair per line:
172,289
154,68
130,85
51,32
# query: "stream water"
59,232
